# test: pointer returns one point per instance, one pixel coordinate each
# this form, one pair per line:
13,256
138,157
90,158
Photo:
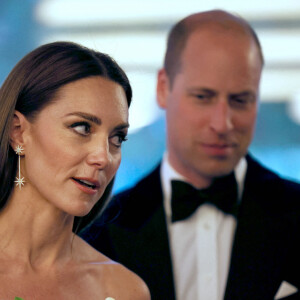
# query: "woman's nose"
99,155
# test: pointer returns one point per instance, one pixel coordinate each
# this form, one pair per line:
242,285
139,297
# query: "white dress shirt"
200,245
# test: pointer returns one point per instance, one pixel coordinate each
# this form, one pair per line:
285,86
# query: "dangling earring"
19,181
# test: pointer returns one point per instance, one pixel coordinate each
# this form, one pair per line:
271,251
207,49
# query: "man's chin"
220,169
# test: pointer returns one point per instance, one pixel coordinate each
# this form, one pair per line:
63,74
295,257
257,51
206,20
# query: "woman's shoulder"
117,280
124,284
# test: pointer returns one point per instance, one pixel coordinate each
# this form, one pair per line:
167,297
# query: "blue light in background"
276,144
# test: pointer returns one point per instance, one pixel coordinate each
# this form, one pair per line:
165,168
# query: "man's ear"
162,88
18,126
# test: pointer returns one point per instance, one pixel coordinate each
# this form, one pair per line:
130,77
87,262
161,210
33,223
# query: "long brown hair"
33,84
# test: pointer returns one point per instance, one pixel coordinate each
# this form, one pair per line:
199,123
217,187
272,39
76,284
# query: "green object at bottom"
18,298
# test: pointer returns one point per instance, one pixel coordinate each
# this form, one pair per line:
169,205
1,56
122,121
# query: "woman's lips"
87,185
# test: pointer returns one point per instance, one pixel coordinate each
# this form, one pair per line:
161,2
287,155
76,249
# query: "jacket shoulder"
273,191
258,173
149,183
144,197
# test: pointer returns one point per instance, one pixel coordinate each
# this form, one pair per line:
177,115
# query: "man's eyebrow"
212,91
86,116
244,93
248,94
201,90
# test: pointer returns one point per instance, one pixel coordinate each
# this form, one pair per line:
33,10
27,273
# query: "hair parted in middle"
33,84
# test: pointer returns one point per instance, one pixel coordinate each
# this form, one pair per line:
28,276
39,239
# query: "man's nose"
221,117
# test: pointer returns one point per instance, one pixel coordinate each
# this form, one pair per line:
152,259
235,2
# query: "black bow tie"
186,199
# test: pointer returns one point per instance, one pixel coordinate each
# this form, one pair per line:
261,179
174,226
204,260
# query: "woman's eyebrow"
96,120
122,126
86,116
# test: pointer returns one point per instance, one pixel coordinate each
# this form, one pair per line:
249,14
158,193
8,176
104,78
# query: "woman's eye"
82,128
118,139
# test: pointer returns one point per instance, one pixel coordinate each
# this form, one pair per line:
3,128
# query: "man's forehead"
212,40
215,31
217,23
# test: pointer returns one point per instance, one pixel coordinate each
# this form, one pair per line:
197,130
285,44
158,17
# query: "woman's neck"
35,232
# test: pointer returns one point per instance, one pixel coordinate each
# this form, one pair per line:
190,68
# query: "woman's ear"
18,126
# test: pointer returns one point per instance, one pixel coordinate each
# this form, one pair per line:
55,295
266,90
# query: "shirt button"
208,277
206,226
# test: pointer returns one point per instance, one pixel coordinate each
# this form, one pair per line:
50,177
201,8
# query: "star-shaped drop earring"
20,181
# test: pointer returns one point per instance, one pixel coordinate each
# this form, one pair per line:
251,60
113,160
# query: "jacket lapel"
152,241
146,237
254,272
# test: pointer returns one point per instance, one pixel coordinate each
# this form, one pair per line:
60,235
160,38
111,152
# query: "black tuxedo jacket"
266,245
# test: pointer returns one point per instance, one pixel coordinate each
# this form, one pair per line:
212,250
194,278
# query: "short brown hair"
182,30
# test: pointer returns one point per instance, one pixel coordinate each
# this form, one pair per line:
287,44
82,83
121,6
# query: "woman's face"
73,146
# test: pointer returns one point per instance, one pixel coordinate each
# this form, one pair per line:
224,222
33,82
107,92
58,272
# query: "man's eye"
242,101
82,128
202,97
118,139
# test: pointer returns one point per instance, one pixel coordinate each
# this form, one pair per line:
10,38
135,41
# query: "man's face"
211,106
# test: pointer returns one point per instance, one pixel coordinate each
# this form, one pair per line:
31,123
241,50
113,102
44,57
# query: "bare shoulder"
125,284
110,277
